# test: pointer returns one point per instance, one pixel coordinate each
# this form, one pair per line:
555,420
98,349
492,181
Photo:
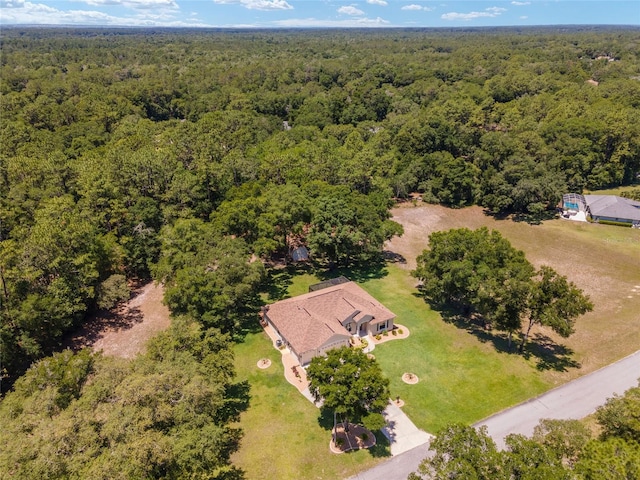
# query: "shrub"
386,334
378,337
611,222
339,442
364,437
400,331
394,333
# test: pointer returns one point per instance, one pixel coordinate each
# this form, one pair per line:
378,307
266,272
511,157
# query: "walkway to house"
403,435
293,371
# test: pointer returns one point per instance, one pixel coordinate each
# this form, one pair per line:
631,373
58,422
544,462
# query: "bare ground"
125,331
605,264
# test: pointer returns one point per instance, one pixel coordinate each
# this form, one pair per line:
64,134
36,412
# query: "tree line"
190,156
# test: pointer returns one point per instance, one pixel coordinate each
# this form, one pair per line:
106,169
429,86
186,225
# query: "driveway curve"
572,400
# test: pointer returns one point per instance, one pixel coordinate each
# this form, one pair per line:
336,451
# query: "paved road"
575,399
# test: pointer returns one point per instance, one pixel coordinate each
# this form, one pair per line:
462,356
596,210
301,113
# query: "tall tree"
481,273
212,278
556,303
350,384
461,452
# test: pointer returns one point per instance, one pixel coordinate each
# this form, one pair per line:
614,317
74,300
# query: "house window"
382,326
349,327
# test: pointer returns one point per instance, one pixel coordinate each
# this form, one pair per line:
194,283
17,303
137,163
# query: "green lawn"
283,437
461,380
613,191
463,377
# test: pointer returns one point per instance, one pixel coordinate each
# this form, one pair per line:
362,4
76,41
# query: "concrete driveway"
403,435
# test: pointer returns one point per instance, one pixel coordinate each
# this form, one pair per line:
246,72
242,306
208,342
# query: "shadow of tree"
277,282
249,318
549,355
237,399
358,272
91,331
382,448
393,257
530,218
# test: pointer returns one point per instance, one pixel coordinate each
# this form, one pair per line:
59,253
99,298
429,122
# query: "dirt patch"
125,331
356,438
410,378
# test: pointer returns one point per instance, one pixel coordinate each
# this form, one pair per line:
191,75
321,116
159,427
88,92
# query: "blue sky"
317,13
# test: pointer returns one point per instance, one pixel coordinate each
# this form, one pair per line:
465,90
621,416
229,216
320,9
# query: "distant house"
612,208
326,318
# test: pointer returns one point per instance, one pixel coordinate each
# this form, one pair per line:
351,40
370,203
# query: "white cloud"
136,4
322,23
350,10
488,12
413,6
259,4
11,3
40,14
523,17
520,3
382,3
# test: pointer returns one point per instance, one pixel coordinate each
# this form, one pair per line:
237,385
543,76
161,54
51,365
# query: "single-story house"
327,318
612,208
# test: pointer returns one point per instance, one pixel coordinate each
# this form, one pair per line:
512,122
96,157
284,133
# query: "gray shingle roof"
613,207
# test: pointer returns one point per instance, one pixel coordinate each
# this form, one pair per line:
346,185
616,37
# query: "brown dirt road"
125,332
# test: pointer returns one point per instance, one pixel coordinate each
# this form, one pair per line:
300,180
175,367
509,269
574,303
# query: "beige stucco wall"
373,329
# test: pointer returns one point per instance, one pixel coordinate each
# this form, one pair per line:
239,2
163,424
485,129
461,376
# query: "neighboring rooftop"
611,206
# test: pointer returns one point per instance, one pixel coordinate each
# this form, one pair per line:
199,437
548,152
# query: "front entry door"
363,329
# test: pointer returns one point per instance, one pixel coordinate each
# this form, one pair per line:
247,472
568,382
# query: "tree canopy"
350,384
166,414
480,273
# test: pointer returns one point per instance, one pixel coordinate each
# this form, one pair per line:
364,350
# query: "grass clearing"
463,377
613,191
602,260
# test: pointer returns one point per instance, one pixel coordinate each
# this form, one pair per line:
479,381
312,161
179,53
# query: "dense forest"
189,156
